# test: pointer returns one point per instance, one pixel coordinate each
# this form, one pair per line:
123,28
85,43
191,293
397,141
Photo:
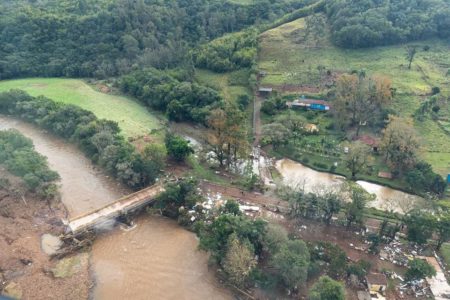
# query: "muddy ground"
26,272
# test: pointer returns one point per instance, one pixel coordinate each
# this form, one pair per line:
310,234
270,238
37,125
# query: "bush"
435,90
320,165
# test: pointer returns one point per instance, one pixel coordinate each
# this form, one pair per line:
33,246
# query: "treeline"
356,24
85,38
98,139
181,100
17,154
228,53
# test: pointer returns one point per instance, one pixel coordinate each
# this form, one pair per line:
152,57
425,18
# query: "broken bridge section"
115,209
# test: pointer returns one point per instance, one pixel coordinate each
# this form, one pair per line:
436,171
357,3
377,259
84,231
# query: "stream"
157,259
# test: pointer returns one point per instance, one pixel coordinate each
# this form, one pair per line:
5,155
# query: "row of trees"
17,154
100,140
356,24
83,38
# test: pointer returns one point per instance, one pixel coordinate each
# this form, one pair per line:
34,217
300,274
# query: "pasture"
133,118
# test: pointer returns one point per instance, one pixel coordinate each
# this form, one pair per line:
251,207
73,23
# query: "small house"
377,283
310,104
370,141
265,91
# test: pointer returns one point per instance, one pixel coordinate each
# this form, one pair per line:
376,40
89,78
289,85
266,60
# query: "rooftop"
376,278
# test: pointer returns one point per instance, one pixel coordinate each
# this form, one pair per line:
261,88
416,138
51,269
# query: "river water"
155,260
297,175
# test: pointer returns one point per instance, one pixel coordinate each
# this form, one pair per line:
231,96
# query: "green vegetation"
327,289
371,23
180,100
17,154
110,38
419,269
177,147
99,139
297,60
133,119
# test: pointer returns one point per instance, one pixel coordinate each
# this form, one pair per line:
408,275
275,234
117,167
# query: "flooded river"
155,260
297,175
83,187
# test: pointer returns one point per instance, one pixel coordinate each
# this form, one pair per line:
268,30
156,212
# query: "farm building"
310,104
265,91
370,141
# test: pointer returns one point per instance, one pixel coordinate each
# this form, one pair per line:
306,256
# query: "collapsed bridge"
114,209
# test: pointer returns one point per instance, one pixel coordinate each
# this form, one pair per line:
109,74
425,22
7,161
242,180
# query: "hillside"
301,61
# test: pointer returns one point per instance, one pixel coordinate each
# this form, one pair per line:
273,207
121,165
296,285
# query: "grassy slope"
221,82
133,118
291,59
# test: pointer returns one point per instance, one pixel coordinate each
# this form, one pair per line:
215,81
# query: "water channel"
155,260
297,175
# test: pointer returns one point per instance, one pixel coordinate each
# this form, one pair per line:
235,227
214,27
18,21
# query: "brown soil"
23,264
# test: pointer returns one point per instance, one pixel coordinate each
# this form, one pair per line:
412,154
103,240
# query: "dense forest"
370,23
86,38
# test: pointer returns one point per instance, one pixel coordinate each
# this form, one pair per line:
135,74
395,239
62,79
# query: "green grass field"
133,118
291,59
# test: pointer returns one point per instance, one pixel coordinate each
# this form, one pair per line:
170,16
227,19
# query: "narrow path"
256,119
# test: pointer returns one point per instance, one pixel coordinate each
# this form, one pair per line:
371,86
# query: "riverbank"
26,272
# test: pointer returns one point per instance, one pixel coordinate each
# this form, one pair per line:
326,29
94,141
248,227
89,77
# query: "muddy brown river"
157,259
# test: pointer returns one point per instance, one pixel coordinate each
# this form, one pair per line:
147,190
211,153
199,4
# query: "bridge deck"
115,208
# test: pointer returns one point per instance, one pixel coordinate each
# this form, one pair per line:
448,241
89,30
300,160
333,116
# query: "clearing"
297,62
133,118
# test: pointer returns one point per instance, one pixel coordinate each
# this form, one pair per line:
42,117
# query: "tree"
275,236
155,153
228,137
419,269
420,226
291,262
442,230
276,134
356,159
327,289
330,204
359,100
355,209
239,260
422,179
177,147
400,143
411,52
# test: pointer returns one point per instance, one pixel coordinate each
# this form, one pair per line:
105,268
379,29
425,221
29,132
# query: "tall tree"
355,209
359,100
411,52
239,260
400,143
357,158
292,262
327,289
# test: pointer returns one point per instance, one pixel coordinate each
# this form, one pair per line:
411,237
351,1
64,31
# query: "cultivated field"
301,63
133,118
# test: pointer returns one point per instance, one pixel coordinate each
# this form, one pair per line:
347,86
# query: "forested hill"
84,38
367,23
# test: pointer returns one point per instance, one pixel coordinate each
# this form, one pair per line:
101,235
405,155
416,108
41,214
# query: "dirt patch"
25,270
